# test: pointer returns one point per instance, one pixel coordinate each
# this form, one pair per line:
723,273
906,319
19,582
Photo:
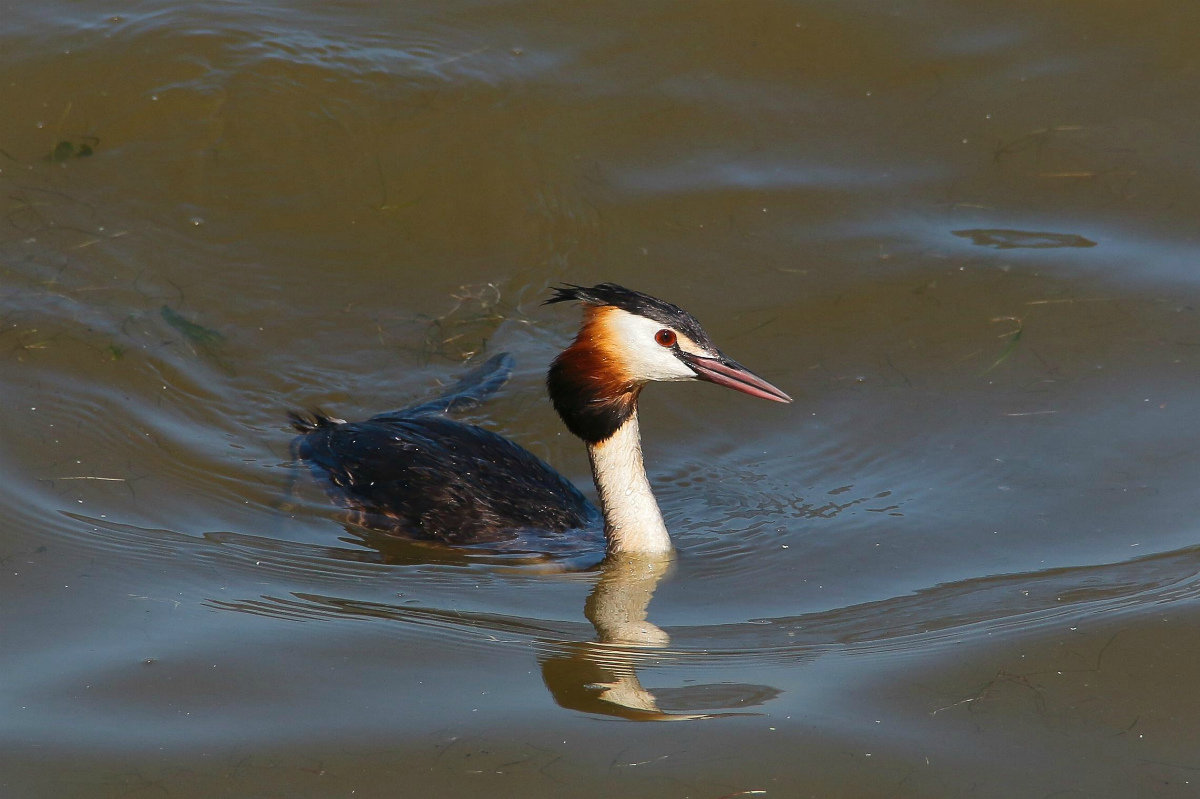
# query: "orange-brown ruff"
419,474
588,383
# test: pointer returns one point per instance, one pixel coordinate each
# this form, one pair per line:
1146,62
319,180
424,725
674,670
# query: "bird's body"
427,476
423,475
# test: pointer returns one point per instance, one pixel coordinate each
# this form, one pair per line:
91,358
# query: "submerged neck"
632,520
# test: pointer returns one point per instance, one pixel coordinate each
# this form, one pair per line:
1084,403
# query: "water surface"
961,235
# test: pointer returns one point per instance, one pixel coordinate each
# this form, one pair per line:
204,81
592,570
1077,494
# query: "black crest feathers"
634,302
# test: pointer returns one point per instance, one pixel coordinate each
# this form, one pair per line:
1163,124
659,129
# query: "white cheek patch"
689,346
632,337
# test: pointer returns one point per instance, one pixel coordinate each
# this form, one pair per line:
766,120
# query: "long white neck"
632,520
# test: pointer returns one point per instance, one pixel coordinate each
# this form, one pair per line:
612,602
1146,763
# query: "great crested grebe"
425,476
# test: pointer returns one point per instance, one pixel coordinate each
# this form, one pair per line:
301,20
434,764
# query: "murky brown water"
963,235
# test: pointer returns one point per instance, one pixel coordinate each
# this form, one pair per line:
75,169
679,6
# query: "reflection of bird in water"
601,676
417,473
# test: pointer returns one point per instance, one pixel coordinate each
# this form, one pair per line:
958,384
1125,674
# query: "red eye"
665,337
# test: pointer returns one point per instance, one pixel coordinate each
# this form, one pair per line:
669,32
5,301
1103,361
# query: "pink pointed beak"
731,374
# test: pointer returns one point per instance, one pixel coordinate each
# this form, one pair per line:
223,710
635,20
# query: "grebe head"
627,340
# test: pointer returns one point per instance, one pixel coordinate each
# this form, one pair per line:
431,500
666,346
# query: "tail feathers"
313,420
472,389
